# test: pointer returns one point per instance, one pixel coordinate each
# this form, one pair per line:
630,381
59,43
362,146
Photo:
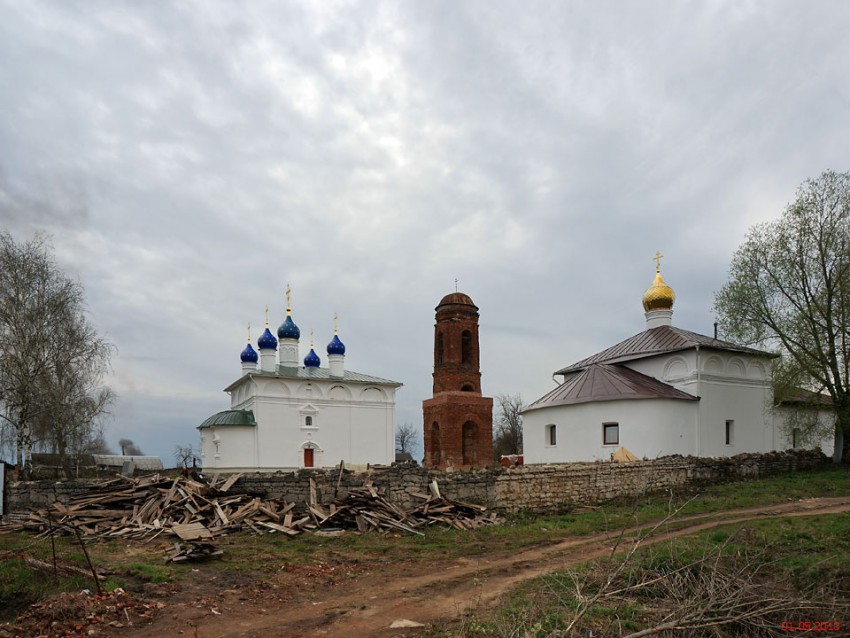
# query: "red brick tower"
458,420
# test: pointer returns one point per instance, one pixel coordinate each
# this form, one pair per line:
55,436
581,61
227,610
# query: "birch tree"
52,361
789,290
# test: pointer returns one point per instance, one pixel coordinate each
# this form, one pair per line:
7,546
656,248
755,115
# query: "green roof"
230,417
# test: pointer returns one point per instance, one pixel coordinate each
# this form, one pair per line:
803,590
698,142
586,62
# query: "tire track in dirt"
439,592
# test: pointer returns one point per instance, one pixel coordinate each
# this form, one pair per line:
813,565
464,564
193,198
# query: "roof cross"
657,259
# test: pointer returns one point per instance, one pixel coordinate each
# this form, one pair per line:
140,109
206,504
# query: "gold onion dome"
659,296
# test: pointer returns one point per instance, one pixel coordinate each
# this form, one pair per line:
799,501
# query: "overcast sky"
191,158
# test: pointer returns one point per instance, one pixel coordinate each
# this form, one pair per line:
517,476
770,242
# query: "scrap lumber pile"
365,509
148,506
196,512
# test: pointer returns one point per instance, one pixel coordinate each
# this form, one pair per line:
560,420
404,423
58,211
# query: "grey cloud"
190,159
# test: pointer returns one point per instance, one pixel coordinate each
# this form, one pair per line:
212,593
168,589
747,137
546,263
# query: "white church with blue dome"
285,415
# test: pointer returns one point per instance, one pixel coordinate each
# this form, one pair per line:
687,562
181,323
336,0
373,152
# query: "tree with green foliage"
789,292
52,360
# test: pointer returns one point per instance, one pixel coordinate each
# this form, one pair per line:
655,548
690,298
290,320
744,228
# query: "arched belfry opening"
458,419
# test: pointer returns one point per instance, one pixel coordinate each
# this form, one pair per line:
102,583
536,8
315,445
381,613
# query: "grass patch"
130,564
806,556
21,585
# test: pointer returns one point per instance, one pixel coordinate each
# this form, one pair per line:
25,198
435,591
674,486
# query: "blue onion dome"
312,360
288,329
249,355
267,340
336,346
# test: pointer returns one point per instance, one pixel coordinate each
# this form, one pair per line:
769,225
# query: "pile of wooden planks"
148,506
194,511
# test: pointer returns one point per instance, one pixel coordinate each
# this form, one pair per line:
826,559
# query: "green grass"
151,573
133,564
810,554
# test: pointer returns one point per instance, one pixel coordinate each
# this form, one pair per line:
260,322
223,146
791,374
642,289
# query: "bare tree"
96,444
128,448
406,438
51,359
185,455
507,434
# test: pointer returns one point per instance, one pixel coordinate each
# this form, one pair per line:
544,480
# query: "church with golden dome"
662,391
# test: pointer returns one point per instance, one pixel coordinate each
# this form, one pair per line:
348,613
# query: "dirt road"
334,602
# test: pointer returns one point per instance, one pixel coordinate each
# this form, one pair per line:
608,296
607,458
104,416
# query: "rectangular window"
795,438
730,432
611,433
551,435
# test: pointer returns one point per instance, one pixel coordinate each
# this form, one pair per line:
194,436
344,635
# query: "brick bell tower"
458,420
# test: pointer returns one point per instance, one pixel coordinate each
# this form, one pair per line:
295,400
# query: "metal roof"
605,382
117,460
803,397
230,417
300,372
660,340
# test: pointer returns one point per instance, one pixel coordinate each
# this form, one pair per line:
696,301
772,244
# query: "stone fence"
535,488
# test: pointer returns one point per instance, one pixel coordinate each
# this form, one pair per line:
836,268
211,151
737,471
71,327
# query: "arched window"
435,444
308,421
439,347
467,387
465,347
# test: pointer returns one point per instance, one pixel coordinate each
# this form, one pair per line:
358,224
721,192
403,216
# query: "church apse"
458,419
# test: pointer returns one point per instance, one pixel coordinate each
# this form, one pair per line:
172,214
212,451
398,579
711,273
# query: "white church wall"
744,407
648,428
229,446
732,387
673,369
348,422
819,434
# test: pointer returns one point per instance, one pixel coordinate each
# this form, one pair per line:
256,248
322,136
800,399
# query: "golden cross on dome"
267,315
657,259
288,293
249,332
336,331
311,337
455,284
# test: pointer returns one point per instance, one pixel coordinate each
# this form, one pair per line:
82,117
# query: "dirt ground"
353,599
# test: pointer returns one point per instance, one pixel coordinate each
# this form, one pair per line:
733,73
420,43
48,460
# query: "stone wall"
536,488
28,495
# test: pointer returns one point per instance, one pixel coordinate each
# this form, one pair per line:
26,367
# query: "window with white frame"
309,415
610,433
